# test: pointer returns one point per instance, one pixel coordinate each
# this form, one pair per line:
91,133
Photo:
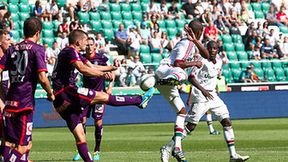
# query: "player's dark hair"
76,35
196,26
32,25
3,32
211,44
90,38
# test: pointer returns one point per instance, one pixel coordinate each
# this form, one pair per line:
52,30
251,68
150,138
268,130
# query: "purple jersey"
64,73
96,83
23,61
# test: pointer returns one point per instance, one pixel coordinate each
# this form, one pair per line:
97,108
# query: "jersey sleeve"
83,59
178,53
73,56
4,61
41,60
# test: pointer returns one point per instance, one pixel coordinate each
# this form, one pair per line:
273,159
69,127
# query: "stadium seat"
266,65
161,24
180,23
94,16
232,56
84,17
170,24
276,65
226,38
127,23
236,38
242,55
236,74
239,46
95,25
283,29
269,73
127,16
13,8
105,16
249,6
244,65
24,1
228,76
156,57
61,3
137,15
49,41
116,24
15,35
256,64
225,67
24,16
286,73
144,6
108,34
115,7
47,25
228,47
280,75
265,7
136,7
125,7
234,65
15,17
144,49
116,16
56,23
48,33
165,55
24,8
259,72
136,22
256,6
13,1
145,58
171,32
16,26
106,24
259,15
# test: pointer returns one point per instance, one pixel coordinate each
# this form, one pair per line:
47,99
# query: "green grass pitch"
264,140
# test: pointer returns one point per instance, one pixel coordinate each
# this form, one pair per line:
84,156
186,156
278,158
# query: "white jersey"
207,78
184,50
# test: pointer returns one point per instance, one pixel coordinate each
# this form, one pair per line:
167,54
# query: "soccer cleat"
165,154
96,156
215,132
146,97
238,158
169,81
179,155
76,157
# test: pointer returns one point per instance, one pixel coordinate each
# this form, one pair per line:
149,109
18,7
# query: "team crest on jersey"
29,129
83,91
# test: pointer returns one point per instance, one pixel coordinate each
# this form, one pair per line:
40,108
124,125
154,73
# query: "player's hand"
198,64
108,76
207,95
50,97
190,34
113,68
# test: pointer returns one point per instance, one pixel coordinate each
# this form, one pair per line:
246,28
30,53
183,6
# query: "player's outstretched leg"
212,131
98,137
178,133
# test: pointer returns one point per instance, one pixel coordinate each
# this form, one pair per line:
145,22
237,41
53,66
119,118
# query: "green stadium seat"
116,15
48,33
13,8
236,74
228,76
24,8
49,41
94,16
232,56
172,32
225,67
95,25
137,15
24,16
47,25
180,23
249,6
265,7
161,24
144,49
280,74
125,7
256,64
242,55
116,24
276,65
260,73
16,26
234,66
286,73
105,16
56,24
115,7
244,65
15,17
15,35
127,16
269,73
137,22
156,57
283,29
259,15
61,3
106,24
266,65
24,1
127,23
228,47
108,34
84,17
256,6
21,24
13,1
170,24
226,38
136,7
236,38
165,55
144,6
145,1
239,46
145,58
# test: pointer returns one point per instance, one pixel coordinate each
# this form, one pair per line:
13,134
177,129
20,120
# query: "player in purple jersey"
26,64
97,84
69,99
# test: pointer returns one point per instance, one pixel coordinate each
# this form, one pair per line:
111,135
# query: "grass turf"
264,140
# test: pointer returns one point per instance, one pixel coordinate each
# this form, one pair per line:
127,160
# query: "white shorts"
171,94
199,109
166,71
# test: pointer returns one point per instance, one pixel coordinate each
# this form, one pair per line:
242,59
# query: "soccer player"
205,98
26,64
171,73
97,84
69,99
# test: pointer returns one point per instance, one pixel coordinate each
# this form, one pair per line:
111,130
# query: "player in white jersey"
206,98
171,72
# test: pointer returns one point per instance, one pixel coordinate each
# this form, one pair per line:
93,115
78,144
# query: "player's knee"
190,126
22,149
100,97
226,122
182,111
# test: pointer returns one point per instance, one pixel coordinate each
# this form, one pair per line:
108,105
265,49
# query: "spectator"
153,21
265,30
55,49
282,17
174,41
256,53
251,41
267,50
163,10
8,20
235,29
51,59
39,12
272,37
153,9
173,12
243,17
206,17
246,76
210,32
189,10
233,18
271,17
101,44
62,40
53,11
128,79
164,40
134,39
145,33
220,24
63,28
121,39
284,47
155,43
75,25
139,69
156,29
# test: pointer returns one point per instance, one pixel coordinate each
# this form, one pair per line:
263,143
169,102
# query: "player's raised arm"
101,68
88,71
195,83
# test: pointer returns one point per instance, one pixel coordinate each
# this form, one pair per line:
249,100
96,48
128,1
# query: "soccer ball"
147,81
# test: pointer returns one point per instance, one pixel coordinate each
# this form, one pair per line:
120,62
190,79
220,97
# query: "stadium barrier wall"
242,105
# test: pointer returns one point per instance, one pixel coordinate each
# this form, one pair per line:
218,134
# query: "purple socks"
98,137
83,151
13,156
124,100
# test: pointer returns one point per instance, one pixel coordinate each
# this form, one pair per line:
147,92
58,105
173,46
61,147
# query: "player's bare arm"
195,83
184,64
87,70
100,67
43,80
